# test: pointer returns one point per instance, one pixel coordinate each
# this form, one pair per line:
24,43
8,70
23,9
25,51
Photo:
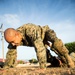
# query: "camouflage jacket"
30,33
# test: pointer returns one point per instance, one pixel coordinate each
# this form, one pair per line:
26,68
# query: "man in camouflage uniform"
34,36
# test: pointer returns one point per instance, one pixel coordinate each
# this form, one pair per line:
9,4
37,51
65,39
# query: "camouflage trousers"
62,52
59,47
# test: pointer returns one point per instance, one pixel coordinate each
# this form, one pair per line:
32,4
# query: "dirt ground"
35,70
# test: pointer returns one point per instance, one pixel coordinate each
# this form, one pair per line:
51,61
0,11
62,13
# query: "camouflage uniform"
59,48
34,36
31,37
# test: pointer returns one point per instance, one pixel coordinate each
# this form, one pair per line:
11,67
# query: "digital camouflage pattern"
11,58
36,36
62,51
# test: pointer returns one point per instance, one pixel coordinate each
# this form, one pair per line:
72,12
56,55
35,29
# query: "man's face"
15,40
12,36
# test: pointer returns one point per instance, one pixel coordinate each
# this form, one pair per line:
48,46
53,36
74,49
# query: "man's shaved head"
9,33
13,36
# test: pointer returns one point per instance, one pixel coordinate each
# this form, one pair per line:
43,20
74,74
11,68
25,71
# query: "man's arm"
11,56
41,52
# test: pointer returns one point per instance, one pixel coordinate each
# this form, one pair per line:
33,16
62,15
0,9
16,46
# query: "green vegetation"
21,62
70,47
33,61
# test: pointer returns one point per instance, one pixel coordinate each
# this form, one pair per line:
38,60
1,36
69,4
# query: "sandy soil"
35,70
